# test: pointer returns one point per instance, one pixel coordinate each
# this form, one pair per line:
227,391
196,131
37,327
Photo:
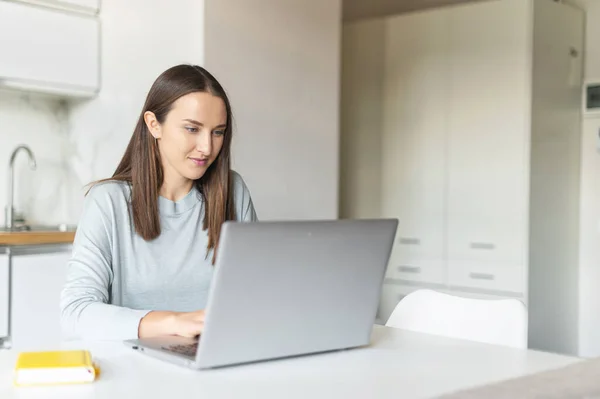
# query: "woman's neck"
175,191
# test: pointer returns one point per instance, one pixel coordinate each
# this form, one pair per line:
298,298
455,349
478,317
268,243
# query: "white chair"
493,321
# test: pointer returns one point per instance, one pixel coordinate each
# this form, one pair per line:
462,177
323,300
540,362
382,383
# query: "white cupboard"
413,184
488,118
37,281
75,6
36,56
85,4
474,96
3,296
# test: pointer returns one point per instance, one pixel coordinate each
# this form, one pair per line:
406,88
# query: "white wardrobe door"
414,142
489,108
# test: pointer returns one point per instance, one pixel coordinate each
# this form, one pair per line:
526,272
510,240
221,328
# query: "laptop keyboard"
187,350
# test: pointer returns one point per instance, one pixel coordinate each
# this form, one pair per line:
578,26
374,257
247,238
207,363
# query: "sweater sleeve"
248,210
244,205
86,312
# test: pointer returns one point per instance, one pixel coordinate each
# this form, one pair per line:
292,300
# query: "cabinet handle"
483,245
409,241
481,276
409,269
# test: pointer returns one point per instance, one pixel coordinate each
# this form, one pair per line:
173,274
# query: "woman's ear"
152,124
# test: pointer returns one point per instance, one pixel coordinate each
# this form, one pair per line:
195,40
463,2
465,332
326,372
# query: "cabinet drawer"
409,245
498,276
36,55
505,247
421,270
417,257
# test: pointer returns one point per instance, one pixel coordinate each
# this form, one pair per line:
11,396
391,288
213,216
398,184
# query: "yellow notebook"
58,367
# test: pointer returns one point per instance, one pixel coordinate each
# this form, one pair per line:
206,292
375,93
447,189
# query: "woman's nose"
204,142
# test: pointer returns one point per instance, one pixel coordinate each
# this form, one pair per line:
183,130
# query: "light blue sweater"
115,278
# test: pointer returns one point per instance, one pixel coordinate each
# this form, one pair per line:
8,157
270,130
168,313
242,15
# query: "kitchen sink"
40,228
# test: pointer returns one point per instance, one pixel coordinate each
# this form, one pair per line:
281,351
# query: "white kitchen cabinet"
460,98
488,146
37,56
93,5
37,283
479,151
75,6
488,117
413,184
3,295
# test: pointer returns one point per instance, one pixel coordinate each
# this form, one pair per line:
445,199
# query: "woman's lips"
199,161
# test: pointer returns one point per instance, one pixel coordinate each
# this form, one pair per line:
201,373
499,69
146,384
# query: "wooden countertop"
17,238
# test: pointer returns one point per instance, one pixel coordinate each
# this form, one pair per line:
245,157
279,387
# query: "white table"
398,364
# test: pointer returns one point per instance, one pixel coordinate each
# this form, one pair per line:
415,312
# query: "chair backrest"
494,321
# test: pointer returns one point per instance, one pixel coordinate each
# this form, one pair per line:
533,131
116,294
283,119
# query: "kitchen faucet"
9,220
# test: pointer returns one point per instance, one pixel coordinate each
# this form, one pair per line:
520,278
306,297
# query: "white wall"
589,232
361,118
41,124
279,61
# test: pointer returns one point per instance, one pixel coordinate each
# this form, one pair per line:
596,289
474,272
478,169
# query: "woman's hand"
158,323
189,324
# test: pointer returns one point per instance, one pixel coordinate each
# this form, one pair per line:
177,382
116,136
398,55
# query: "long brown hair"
141,165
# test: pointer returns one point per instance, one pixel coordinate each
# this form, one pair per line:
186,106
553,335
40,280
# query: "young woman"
144,251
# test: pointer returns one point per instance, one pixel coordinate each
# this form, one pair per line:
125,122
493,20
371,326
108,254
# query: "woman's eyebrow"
195,122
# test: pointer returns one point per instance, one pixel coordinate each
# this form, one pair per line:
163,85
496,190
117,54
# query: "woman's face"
191,137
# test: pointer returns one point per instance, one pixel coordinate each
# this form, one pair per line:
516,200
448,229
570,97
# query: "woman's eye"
191,129
219,132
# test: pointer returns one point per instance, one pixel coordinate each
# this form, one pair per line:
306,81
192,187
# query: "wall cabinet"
473,113
84,6
91,7
37,56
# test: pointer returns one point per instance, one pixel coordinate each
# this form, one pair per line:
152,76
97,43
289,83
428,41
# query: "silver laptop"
284,289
